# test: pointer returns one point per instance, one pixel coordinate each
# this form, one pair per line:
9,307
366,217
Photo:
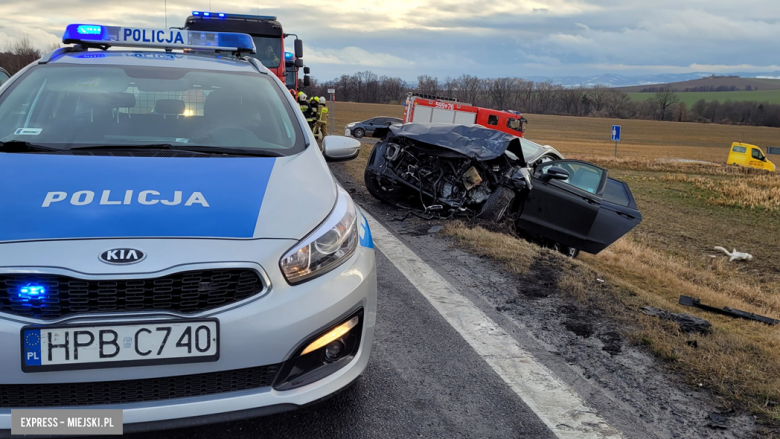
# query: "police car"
172,242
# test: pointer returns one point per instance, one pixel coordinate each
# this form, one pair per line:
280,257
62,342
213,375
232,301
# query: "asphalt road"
423,380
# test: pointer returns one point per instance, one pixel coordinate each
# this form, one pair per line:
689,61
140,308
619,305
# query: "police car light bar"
92,34
223,15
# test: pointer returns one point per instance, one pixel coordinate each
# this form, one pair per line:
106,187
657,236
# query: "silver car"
172,241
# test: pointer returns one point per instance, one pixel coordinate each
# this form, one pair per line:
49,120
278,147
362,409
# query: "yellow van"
743,154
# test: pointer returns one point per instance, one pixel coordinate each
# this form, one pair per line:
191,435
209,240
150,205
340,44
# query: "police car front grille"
129,391
185,292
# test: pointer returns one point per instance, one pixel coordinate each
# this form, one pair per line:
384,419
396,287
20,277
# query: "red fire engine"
429,108
268,36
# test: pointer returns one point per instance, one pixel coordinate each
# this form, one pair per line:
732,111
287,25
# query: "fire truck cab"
429,108
268,36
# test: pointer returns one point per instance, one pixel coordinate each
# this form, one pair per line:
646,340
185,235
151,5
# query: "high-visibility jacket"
323,114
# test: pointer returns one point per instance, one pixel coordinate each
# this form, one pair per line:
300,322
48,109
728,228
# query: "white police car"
172,242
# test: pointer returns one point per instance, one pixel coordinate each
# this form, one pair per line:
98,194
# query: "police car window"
66,106
269,51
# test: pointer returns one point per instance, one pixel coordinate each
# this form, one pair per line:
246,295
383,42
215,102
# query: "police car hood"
54,197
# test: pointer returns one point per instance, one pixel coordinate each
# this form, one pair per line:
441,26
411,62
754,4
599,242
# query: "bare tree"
598,97
545,95
571,100
665,99
681,112
617,103
427,84
469,89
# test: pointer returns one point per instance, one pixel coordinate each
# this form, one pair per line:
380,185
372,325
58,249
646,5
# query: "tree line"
504,94
547,98
16,54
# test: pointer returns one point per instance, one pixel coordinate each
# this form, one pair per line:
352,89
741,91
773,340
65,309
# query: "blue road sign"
616,133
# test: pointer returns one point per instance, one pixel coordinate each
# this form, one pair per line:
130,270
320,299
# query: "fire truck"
428,108
268,36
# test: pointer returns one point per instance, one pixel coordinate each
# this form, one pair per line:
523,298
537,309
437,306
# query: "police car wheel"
358,133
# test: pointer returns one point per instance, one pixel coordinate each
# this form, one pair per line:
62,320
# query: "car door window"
615,192
756,153
740,149
492,120
581,175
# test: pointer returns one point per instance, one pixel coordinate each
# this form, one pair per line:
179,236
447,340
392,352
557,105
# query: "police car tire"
358,133
497,204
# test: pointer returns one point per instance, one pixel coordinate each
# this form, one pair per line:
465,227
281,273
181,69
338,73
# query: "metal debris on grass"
688,323
726,311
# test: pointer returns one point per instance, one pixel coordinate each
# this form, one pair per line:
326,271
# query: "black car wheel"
496,205
358,133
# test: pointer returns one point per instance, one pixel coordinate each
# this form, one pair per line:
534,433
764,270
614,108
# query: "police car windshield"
269,50
69,106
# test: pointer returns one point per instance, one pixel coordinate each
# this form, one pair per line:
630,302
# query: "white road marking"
558,406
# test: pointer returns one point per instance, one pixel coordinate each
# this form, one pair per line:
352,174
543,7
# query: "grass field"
690,98
586,135
688,209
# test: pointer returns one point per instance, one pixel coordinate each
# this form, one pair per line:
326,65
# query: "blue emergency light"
288,56
28,292
223,15
92,34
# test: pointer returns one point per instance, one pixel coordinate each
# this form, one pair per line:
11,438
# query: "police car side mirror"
340,148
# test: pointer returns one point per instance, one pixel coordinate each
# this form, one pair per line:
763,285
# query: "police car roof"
202,61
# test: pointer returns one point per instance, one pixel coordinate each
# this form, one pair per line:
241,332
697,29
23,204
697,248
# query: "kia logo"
122,256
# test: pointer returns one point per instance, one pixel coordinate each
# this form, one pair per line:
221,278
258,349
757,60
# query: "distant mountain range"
612,80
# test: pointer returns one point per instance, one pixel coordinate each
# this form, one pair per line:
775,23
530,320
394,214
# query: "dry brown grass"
760,191
514,255
740,359
667,255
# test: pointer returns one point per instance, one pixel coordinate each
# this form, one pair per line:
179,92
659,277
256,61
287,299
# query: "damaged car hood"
473,141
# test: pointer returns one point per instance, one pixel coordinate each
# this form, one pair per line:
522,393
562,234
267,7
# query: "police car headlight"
325,248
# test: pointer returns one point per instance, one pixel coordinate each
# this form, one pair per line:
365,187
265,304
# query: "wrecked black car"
446,170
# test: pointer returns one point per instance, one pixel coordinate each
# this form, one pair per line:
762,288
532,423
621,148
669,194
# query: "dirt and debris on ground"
581,344
688,323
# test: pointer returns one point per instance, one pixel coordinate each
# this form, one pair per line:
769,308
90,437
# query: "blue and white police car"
172,242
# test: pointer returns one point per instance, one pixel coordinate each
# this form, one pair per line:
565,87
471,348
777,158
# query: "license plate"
67,347
346,132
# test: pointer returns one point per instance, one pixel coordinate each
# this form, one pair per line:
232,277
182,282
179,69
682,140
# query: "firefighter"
321,124
311,115
269,58
303,104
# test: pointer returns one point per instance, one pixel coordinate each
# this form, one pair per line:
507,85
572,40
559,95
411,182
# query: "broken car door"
564,201
618,214
576,204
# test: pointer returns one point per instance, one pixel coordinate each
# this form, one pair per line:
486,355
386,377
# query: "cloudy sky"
486,38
